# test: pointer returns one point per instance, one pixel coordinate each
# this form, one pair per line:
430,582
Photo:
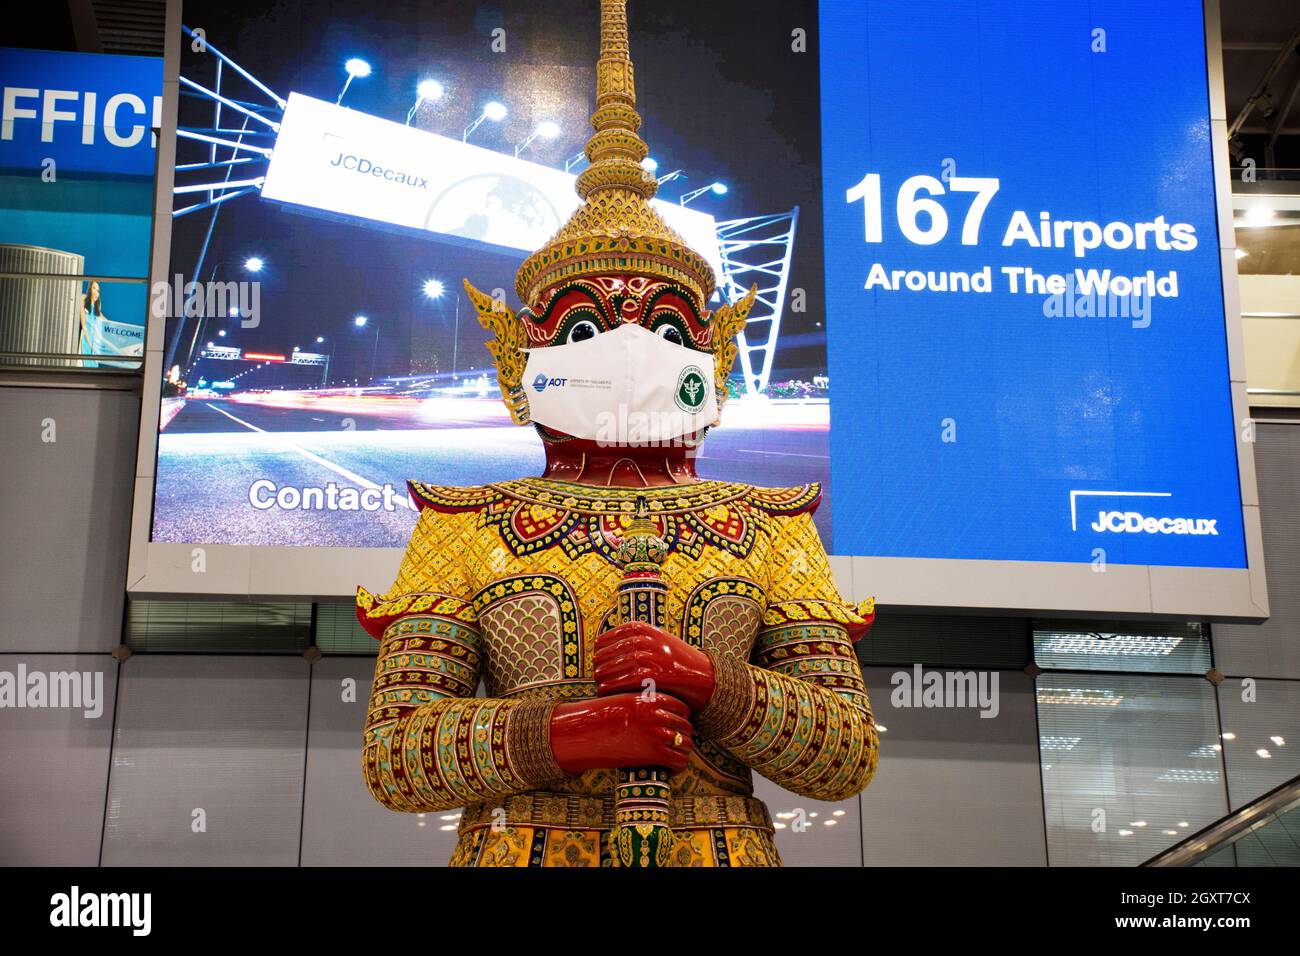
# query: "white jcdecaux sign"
336,159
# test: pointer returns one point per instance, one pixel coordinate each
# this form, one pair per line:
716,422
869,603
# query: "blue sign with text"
89,113
1027,349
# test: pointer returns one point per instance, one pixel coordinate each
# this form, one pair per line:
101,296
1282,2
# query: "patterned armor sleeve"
798,713
430,744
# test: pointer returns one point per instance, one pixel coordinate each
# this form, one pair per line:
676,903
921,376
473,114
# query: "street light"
428,91
718,189
669,177
355,68
329,360
434,290
546,129
493,111
251,264
360,322
573,161
650,165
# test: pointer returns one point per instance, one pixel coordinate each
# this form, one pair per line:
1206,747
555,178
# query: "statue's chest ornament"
528,525
536,515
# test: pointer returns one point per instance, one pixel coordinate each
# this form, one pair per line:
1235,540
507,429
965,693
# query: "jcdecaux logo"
1134,522
359,164
1112,520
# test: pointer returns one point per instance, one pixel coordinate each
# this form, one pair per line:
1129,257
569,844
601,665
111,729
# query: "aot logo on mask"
623,387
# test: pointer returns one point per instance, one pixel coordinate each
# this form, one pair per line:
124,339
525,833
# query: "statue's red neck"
619,466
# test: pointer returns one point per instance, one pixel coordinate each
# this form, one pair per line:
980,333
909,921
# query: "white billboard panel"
332,158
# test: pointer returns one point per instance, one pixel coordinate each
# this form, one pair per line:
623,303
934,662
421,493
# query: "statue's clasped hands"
642,657
649,683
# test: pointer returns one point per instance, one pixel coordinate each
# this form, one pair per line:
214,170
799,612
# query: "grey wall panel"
221,735
55,765
1272,649
1261,736
810,832
342,824
954,788
67,506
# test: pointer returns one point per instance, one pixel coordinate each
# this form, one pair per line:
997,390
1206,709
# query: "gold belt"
573,811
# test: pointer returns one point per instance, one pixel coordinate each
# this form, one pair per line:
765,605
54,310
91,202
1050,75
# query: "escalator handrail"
1229,828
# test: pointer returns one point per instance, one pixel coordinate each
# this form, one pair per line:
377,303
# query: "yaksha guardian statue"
647,638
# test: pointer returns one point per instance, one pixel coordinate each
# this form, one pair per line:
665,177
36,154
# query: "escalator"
1265,832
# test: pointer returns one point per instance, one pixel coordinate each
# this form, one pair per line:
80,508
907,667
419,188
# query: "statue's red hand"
626,730
632,653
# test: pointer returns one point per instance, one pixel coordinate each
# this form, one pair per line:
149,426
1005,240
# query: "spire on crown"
615,231
615,150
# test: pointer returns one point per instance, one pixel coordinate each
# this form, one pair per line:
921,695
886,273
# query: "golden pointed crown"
615,230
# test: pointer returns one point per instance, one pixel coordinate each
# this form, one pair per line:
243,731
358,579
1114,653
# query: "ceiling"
1254,32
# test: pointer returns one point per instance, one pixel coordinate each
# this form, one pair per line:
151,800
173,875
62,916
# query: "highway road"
235,472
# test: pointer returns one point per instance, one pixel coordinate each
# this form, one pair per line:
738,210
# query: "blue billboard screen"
1026,336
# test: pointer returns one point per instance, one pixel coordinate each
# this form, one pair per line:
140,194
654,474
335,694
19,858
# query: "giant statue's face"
583,308
579,309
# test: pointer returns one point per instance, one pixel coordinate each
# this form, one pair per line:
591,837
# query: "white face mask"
627,386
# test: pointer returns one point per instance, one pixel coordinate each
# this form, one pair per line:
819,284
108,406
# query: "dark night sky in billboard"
723,97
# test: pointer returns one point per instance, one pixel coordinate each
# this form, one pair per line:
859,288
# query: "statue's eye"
582,331
671,333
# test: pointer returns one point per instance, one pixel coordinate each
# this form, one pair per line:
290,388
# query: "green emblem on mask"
690,389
